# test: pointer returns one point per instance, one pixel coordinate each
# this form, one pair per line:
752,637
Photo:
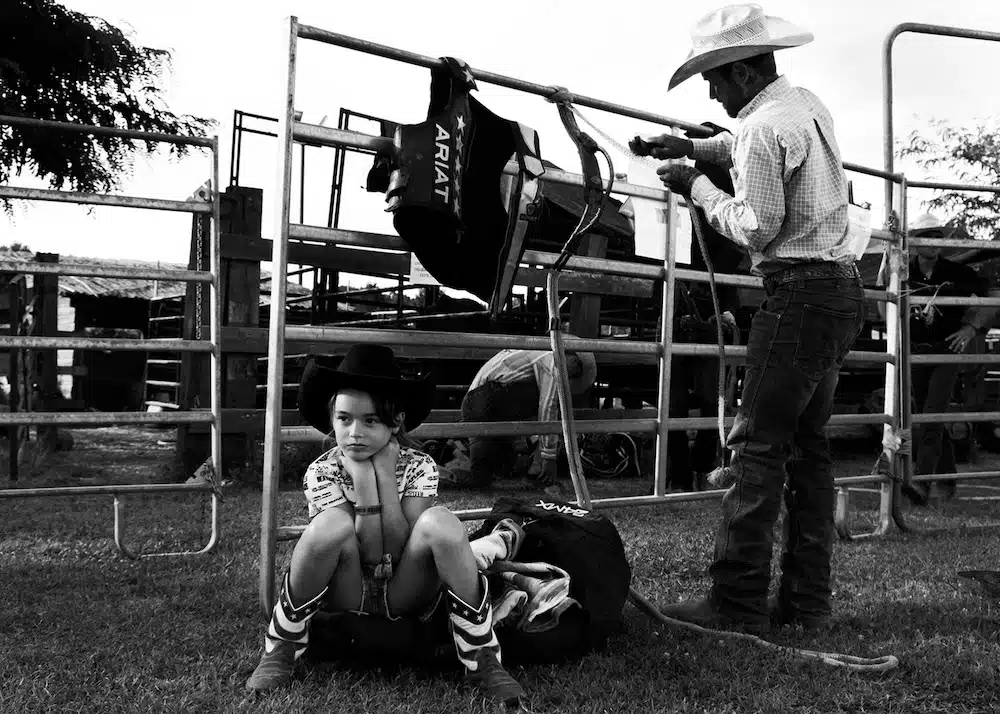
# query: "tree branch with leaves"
62,65
961,155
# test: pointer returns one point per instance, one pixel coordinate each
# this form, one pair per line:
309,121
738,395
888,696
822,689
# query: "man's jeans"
494,457
798,340
933,386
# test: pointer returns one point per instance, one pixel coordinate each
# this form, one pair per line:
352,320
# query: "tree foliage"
15,247
961,155
62,65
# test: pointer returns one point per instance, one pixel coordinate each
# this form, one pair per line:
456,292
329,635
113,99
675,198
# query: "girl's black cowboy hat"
369,368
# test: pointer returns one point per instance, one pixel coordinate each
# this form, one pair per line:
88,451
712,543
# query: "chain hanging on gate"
199,235
199,246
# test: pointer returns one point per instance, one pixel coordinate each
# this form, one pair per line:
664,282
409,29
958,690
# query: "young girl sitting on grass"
375,542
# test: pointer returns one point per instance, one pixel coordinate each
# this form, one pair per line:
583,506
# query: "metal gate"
908,420
204,207
656,421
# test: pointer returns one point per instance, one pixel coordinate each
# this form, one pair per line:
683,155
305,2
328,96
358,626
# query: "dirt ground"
106,455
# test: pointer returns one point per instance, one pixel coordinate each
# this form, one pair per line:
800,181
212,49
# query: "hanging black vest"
445,188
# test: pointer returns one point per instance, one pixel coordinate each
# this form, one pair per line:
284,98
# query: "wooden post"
14,432
241,215
585,310
330,306
400,303
47,325
324,308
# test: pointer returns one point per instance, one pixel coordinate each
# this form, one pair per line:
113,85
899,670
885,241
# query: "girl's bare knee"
439,526
330,532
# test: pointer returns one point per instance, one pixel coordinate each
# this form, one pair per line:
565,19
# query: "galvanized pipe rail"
541,259
331,137
591,425
209,209
99,199
291,130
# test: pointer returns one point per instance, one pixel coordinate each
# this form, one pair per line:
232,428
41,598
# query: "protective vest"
445,188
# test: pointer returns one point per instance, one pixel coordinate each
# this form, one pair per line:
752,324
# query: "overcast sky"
228,56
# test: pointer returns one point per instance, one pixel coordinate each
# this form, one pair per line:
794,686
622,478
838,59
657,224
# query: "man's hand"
729,323
665,146
959,340
678,177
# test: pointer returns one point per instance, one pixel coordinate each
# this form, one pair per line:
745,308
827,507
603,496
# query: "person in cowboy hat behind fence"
375,543
939,329
790,212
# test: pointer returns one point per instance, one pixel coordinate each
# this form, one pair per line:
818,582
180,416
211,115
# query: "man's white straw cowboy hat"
736,32
929,222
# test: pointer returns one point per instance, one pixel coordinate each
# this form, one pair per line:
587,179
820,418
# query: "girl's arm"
367,520
420,487
395,526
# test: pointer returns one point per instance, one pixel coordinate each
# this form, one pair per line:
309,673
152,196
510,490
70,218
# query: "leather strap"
594,195
523,208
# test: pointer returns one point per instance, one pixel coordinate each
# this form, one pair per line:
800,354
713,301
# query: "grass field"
84,630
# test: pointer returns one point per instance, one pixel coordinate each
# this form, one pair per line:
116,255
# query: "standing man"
790,213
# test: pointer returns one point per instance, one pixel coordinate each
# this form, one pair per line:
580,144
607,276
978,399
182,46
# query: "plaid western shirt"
521,366
790,203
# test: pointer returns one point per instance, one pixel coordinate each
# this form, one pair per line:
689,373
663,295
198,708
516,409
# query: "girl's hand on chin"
357,470
386,458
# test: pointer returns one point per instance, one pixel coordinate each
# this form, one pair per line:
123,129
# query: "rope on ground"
833,659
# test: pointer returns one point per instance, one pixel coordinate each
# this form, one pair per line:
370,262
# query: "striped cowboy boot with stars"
286,640
478,648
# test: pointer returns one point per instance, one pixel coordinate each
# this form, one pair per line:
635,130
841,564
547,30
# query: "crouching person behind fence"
375,543
518,385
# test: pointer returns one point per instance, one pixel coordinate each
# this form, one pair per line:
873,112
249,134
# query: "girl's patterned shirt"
328,485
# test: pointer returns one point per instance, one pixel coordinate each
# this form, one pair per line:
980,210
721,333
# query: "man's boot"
286,640
478,649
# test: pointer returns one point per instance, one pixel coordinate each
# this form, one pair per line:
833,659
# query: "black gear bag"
586,545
